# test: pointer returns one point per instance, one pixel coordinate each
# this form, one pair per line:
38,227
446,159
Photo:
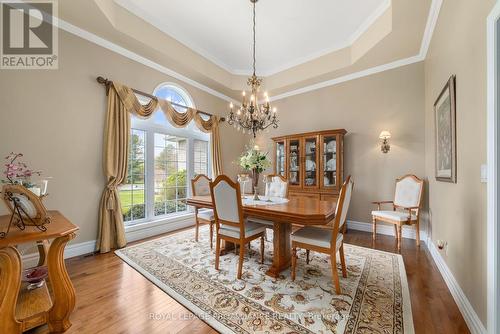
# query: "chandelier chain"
254,40
253,116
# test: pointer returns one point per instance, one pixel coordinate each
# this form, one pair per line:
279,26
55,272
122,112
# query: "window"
132,192
170,174
162,161
200,157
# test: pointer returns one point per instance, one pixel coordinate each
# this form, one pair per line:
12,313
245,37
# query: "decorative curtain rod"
107,83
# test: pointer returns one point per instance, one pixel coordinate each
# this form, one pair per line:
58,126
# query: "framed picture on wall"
446,134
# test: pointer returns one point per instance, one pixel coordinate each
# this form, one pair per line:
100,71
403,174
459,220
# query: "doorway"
493,147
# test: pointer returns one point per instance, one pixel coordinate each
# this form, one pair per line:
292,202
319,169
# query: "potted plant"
17,172
255,161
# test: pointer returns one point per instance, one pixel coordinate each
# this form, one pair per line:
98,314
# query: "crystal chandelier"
252,116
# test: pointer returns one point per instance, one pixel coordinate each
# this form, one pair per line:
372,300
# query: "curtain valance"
177,119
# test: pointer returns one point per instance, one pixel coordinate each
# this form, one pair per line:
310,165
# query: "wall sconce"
385,135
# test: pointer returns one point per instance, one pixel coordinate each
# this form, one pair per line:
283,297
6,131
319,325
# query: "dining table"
282,214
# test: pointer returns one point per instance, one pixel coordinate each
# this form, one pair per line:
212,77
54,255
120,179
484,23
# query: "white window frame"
150,128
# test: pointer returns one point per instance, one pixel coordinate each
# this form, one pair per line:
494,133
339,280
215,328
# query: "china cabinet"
312,162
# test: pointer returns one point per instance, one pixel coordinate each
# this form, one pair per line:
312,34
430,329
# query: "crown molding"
66,26
424,47
429,29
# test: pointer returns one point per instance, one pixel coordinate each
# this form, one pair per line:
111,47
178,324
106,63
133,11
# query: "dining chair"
230,224
200,186
277,188
405,207
326,241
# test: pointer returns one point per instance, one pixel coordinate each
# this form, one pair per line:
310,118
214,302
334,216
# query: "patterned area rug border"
408,327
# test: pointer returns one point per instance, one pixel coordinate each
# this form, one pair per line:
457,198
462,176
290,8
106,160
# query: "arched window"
162,160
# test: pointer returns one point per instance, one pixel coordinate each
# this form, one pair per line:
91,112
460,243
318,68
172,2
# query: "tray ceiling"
288,32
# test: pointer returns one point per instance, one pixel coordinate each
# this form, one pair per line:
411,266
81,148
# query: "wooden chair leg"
307,256
294,262
196,228
418,233
400,237
342,261
335,274
240,262
374,222
211,234
217,252
262,249
395,231
249,245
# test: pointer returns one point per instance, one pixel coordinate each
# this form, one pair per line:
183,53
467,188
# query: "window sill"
158,226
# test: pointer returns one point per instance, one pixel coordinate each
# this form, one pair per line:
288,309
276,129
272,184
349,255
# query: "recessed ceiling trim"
424,48
141,13
349,77
430,26
349,42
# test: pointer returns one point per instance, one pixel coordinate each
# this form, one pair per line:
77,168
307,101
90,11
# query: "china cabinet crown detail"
312,163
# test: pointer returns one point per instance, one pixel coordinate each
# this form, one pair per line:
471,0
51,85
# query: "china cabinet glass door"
280,158
329,161
310,149
294,162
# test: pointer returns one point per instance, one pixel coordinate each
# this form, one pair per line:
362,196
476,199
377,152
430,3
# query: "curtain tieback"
110,202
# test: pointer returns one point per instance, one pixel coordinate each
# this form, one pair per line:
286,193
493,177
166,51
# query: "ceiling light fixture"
251,116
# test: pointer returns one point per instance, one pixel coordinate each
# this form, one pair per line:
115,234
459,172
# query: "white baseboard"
143,231
133,233
470,316
71,250
408,231
473,322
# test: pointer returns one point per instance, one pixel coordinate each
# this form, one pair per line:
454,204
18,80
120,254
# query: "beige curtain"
122,102
115,158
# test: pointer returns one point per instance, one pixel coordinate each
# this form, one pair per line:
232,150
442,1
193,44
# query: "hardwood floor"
111,297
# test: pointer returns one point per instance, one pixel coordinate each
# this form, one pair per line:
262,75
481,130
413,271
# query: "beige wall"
392,100
56,119
458,211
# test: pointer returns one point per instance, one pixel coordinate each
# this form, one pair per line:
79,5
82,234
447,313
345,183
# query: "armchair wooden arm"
378,204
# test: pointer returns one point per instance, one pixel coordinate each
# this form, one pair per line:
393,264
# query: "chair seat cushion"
251,229
207,214
393,215
316,236
260,221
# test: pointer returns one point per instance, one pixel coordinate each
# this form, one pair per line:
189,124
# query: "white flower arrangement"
254,160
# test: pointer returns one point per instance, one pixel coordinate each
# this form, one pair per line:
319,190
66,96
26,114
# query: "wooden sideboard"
312,162
22,309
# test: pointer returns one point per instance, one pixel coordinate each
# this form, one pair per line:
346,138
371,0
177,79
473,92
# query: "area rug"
375,296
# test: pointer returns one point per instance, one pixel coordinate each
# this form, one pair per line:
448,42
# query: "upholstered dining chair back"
200,185
346,191
408,192
226,197
278,187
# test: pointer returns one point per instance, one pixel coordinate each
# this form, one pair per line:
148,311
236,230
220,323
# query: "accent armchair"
405,207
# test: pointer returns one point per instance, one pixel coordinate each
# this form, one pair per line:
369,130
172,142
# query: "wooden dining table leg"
282,254
10,282
63,290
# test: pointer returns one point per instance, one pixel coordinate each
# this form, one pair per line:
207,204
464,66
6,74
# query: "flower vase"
255,183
